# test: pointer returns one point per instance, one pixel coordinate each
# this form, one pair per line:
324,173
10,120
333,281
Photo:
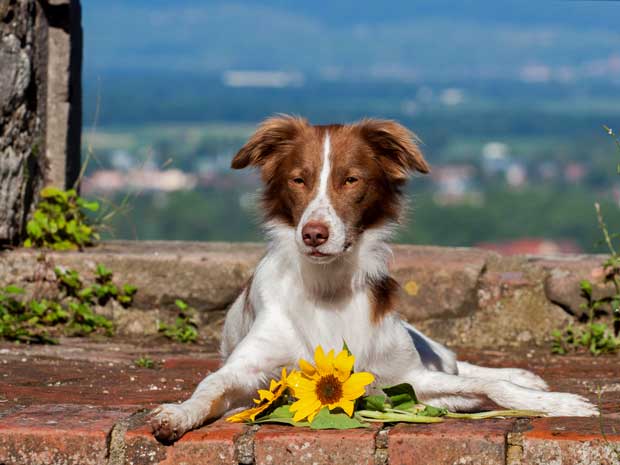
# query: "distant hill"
397,39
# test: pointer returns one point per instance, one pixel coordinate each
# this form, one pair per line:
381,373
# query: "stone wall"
463,297
40,104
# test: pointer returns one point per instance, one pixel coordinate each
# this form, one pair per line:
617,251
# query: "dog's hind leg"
518,376
464,393
436,357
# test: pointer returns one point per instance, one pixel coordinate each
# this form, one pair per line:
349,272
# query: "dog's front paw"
561,404
168,422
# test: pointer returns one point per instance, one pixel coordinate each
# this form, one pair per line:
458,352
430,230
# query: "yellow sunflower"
330,382
266,398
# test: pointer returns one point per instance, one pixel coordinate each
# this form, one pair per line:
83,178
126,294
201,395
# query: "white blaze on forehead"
321,209
326,168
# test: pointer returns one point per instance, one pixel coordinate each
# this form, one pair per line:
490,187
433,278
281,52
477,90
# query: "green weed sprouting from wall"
596,336
71,312
185,328
60,221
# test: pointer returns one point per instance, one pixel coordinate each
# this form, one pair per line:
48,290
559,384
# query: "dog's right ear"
273,135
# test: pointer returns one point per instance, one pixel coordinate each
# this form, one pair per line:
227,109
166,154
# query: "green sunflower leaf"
328,420
281,414
376,402
430,411
346,347
402,396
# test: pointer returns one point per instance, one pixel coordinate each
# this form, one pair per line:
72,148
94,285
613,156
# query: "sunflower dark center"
329,389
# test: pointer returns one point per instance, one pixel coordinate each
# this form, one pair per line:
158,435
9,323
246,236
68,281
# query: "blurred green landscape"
509,105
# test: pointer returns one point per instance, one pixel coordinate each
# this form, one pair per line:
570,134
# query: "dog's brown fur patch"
384,296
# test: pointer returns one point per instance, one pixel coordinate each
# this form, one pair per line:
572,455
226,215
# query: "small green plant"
144,362
26,322
598,338
60,222
595,336
70,312
184,329
100,292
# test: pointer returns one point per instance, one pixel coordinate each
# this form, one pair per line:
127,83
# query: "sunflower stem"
495,414
392,417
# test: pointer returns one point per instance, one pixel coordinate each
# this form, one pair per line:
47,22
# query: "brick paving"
85,402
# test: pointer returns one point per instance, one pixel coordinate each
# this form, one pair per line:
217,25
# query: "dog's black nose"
314,234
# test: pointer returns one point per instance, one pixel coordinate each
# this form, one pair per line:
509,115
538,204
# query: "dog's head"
330,184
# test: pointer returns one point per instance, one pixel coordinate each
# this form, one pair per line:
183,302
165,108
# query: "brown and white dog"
332,196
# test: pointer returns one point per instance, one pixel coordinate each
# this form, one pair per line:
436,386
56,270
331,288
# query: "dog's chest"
331,324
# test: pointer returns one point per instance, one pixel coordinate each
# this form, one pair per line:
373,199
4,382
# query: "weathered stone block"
15,70
562,284
40,104
438,282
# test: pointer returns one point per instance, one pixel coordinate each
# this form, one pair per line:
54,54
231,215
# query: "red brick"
66,433
44,380
283,445
572,441
206,365
452,442
213,444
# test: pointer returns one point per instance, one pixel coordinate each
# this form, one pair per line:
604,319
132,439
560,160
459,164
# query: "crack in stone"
514,441
116,437
244,447
382,456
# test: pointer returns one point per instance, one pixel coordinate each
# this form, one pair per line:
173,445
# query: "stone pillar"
40,104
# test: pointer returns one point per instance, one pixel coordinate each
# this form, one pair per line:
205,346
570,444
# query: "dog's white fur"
297,303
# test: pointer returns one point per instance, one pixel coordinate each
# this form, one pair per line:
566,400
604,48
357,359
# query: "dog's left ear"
395,146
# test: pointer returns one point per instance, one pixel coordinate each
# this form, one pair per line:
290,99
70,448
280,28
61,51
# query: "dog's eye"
298,180
350,180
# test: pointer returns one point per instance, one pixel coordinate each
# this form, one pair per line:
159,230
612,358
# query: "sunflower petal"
301,384
307,368
322,361
258,410
245,415
343,365
304,408
347,406
266,395
313,414
354,387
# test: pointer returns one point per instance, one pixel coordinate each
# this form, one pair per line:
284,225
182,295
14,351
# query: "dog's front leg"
257,357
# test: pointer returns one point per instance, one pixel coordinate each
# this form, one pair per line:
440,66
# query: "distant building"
455,185
139,180
535,73
532,246
104,181
516,175
250,78
495,158
574,172
452,96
